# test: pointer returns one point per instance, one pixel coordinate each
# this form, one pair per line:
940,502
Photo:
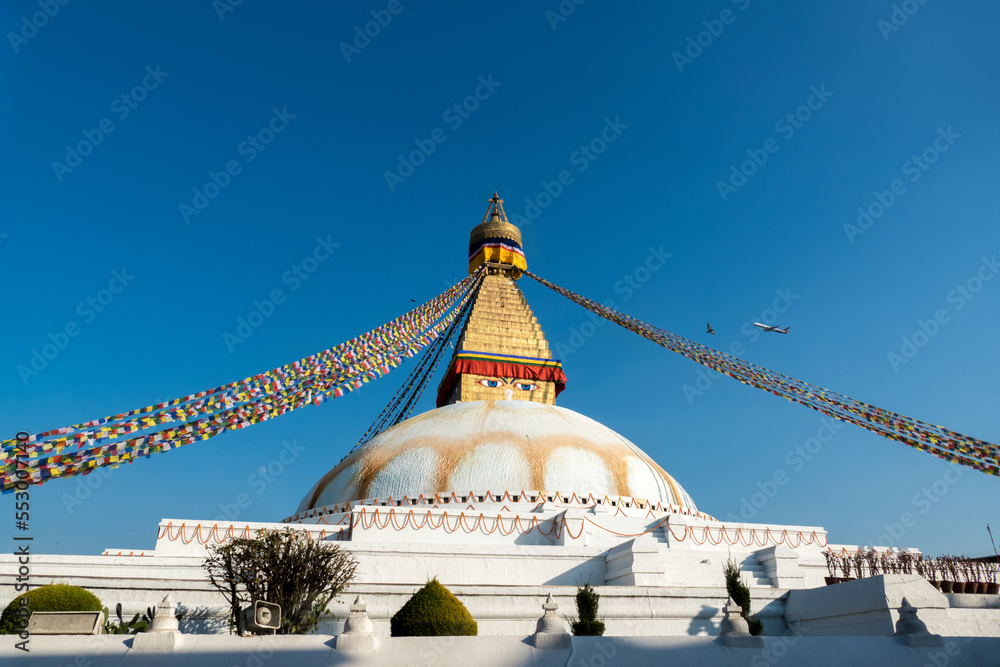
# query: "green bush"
586,606
741,595
133,627
433,612
54,597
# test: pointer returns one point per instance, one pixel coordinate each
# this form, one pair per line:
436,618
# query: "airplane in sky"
710,329
766,327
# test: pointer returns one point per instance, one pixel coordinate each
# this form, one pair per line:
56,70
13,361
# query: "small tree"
586,606
285,567
740,594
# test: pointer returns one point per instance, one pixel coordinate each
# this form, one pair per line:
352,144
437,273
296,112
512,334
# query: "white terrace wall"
319,650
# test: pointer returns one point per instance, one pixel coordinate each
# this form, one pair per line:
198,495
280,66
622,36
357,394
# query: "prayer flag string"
315,379
937,440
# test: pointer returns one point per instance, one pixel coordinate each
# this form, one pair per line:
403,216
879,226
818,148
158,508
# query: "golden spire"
501,353
496,241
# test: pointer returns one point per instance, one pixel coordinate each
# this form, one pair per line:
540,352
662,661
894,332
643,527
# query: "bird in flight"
765,327
710,329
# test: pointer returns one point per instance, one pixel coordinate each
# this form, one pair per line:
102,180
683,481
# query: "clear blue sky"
681,125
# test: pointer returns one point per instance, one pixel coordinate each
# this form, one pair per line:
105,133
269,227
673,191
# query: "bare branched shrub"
845,565
858,560
285,567
871,557
831,562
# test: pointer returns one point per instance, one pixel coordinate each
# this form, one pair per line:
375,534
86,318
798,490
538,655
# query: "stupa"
505,497
497,430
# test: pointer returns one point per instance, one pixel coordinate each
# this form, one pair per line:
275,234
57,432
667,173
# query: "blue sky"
829,103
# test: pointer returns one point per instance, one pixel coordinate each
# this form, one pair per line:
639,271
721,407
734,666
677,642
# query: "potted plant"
992,587
845,567
961,575
946,573
932,570
949,574
871,558
889,563
977,574
903,563
859,564
831,567
971,570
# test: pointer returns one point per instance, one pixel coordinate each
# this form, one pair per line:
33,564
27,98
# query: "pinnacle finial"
495,212
496,240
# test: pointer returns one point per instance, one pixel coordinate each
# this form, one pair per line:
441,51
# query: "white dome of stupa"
497,446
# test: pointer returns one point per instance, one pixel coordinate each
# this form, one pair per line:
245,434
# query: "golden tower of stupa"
502,352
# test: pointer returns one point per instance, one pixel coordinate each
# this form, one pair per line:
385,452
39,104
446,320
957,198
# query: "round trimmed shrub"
54,597
433,611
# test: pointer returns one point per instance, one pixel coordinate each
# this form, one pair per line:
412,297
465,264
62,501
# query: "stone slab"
65,623
882,594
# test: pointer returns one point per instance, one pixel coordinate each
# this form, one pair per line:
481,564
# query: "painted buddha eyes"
523,386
